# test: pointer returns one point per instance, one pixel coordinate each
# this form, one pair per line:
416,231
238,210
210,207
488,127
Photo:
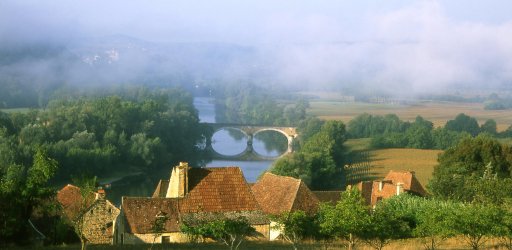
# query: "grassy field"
437,112
420,161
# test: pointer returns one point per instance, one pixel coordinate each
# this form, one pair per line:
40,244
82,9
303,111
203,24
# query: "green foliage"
348,219
463,123
461,169
145,129
476,222
295,226
320,161
23,189
366,125
386,224
250,104
230,232
489,127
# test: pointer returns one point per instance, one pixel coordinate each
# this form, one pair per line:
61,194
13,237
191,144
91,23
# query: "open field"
437,112
421,161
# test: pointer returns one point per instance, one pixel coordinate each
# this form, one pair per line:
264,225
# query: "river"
233,142
224,142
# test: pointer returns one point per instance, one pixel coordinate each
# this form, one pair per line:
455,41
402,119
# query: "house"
278,195
95,212
395,183
190,193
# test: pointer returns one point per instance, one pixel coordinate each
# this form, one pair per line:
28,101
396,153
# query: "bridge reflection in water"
249,154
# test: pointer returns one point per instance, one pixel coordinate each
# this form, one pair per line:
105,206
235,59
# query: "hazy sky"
422,45
247,22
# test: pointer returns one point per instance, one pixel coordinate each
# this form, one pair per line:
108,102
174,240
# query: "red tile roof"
280,194
373,191
211,191
71,200
409,181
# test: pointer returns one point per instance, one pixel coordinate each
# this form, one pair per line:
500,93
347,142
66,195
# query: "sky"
408,45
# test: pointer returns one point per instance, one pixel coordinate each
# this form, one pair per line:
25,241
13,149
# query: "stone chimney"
399,188
178,184
100,194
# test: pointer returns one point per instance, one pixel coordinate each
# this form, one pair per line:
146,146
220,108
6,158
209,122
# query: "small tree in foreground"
476,223
230,232
347,219
294,226
158,227
384,226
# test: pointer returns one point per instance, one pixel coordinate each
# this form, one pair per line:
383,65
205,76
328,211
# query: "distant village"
208,194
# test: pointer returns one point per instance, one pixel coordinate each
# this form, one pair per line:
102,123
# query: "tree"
433,223
385,225
463,123
489,127
347,219
23,189
476,223
294,226
230,232
461,166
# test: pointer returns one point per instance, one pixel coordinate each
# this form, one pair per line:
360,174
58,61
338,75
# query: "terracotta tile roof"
218,190
161,189
141,213
373,191
280,194
71,200
409,180
328,196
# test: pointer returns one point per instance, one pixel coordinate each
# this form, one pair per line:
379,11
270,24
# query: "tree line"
390,132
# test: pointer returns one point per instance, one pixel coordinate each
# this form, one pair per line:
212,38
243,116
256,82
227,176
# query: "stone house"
278,195
97,214
395,183
201,193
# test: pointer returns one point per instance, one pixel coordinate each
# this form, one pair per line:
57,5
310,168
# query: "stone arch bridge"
250,131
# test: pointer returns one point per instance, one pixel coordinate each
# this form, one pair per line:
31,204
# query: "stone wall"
99,222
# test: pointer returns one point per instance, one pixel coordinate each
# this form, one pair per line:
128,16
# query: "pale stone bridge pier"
250,131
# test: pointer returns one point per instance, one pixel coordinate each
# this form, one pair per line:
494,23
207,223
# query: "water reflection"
270,143
229,141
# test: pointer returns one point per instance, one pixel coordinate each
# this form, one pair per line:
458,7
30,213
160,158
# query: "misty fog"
393,47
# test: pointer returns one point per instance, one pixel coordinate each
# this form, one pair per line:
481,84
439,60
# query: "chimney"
399,188
178,184
100,194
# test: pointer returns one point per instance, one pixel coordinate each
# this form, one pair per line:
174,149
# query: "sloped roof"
212,192
218,190
71,200
409,181
328,196
141,213
280,194
161,189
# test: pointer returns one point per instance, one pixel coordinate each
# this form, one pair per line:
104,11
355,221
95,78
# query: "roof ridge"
286,177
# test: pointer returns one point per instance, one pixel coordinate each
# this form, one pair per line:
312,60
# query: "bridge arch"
249,131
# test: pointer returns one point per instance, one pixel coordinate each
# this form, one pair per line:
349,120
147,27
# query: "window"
166,239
